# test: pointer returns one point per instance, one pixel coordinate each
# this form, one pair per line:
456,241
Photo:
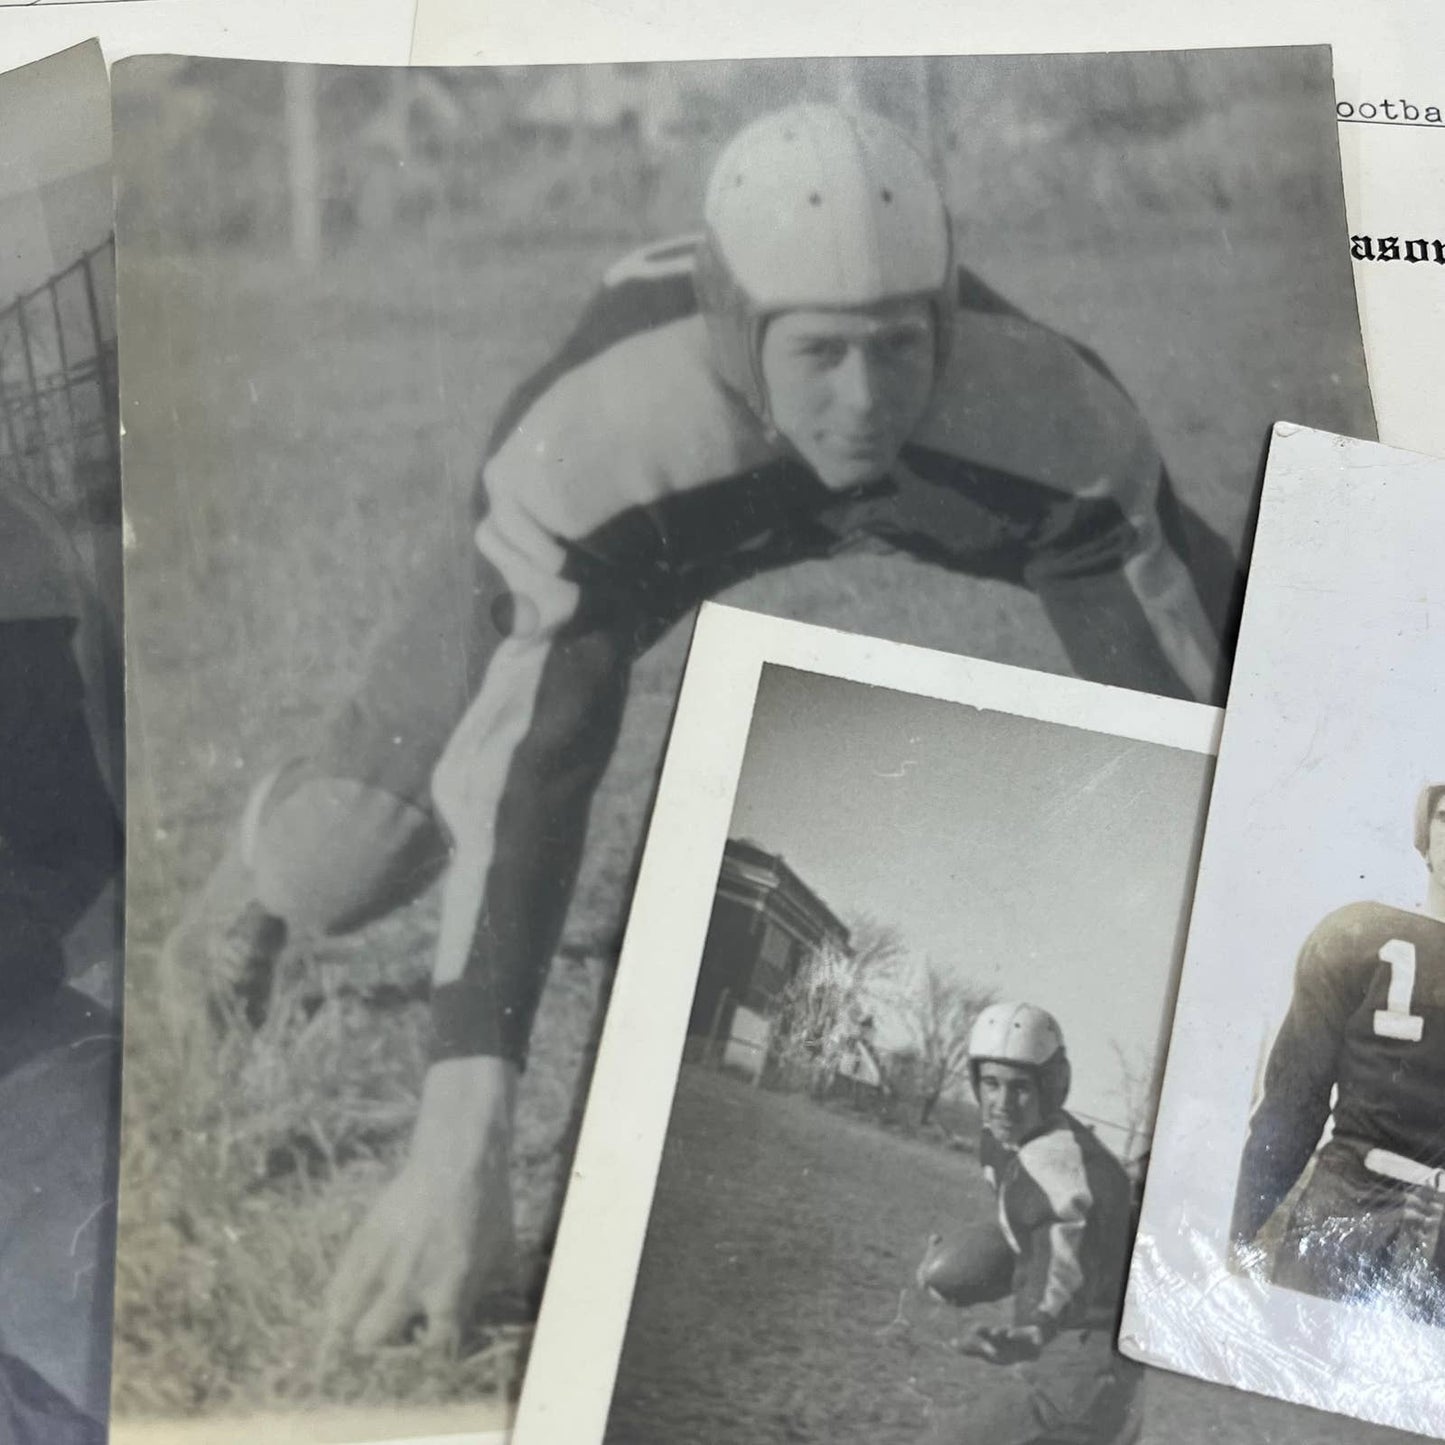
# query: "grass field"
268,545
296,442
781,1235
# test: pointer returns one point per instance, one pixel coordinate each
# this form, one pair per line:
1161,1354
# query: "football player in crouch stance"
812,370
1064,1222
1366,1025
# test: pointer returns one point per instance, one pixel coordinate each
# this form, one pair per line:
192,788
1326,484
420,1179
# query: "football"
969,1269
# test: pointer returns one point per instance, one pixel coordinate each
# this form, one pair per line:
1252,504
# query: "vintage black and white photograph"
61,745
448,395
1301,1132
920,1051
906,944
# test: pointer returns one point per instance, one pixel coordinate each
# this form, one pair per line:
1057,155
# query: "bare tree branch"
938,1008
1136,1089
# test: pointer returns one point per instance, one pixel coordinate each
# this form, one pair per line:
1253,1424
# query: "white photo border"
567,1393
343,1426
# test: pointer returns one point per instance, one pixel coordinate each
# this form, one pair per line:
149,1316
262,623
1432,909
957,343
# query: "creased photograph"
450,395
875,1096
1291,1236
61,748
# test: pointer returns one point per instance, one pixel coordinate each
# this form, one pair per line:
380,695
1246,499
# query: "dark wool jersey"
1367,1019
625,475
1064,1204
625,483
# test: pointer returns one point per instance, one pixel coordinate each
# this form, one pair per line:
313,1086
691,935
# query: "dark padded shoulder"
618,311
976,295
978,298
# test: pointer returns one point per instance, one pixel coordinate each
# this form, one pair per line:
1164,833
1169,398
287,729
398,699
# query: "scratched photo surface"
348,289
60,749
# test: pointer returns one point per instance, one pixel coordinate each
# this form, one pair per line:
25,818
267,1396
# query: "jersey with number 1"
1367,1020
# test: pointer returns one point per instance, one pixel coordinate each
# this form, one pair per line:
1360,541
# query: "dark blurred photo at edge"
60,750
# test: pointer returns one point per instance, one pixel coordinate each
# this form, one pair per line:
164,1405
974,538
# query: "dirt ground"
780,1238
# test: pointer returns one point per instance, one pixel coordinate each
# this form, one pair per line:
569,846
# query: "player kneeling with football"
1059,1247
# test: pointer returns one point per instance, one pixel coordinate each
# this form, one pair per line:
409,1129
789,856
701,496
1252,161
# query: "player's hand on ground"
440,1237
1002,1344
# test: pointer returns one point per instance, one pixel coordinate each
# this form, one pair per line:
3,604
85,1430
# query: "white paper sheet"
1387,50
358,32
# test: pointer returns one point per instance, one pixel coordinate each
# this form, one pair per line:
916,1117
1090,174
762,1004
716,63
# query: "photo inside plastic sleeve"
860,855
1291,1233
445,404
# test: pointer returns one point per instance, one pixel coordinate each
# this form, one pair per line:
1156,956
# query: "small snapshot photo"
1300,1129
914,1100
933,960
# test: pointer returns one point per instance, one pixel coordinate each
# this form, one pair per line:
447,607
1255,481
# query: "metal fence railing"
59,430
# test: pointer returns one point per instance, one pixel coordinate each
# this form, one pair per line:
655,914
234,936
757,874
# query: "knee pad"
331,854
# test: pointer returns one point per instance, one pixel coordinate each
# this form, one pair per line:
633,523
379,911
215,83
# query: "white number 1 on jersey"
1395,1021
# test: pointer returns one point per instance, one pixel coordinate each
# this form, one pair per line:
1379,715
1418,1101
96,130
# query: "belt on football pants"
1407,1171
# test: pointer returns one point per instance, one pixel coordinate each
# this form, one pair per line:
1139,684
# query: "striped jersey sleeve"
1065,1204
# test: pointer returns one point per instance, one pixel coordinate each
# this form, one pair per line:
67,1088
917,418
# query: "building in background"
765,923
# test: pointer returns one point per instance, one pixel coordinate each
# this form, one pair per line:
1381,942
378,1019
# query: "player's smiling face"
847,388
1008,1095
